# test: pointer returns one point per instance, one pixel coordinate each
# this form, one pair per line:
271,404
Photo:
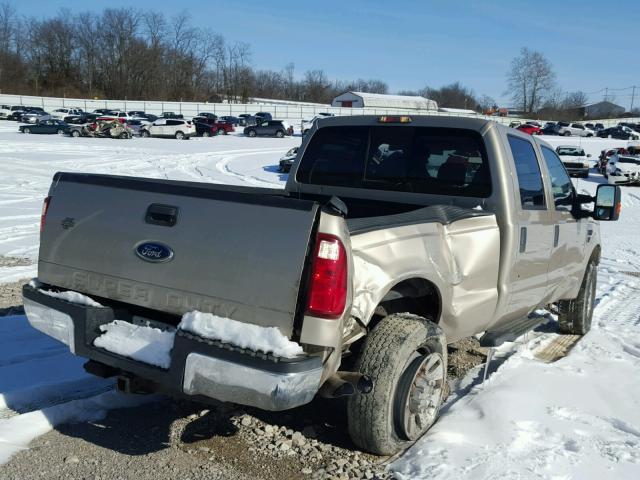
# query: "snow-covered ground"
576,418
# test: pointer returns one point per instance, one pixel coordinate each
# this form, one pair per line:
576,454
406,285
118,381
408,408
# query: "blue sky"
411,44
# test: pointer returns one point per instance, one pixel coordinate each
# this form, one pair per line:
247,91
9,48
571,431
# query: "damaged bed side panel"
460,259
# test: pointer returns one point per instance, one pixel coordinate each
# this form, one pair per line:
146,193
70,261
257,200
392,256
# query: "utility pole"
633,97
606,94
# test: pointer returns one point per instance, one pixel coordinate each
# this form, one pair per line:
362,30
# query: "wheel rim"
26,130
206,134
179,136
419,394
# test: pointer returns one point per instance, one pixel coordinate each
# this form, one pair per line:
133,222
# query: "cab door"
569,233
529,272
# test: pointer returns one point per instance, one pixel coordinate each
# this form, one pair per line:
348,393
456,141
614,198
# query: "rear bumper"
199,367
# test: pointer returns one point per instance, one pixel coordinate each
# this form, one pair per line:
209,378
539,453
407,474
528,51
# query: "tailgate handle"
158,214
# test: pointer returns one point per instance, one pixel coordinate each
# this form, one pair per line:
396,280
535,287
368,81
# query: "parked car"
235,121
515,123
367,278
306,125
576,129
204,129
220,128
172,115
598,127
287,160
16,115
574,159
81,119
136,125
35,116
263,117
104,111
634,134
7,110
112,115
272,128
114,128
211,116
549,128
617,132
623,170
530,129
62,113
172,127
142,116
49,126
246,120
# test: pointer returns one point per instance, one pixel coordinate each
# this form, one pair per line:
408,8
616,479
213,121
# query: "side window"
561,184
529,176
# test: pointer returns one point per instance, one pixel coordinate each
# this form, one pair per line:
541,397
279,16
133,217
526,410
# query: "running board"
512,330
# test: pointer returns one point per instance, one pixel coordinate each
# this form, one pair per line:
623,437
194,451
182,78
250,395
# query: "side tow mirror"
608,203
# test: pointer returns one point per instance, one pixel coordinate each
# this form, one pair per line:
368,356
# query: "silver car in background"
576,129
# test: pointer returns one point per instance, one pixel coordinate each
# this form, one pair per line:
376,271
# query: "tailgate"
233,251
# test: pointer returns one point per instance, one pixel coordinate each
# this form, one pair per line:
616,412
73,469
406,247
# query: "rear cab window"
408,159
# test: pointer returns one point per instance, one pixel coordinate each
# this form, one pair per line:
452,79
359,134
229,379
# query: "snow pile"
145,344
69,296
243,335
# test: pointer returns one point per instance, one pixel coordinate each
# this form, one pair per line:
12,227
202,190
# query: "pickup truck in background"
393,237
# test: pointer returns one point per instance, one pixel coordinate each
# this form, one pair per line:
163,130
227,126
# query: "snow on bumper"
198,366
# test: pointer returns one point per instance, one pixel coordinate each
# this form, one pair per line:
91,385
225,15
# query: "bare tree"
530,76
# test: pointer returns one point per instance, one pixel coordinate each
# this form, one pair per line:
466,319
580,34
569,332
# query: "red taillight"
45,209
328,283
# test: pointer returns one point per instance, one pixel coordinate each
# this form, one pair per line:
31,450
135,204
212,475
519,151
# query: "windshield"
409,159
574,152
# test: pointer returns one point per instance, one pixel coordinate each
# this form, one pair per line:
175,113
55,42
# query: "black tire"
206,134
145,134
252,133
567,134
222,131
60,132
75,133
26,130
574,316
179,135
394,353
279,134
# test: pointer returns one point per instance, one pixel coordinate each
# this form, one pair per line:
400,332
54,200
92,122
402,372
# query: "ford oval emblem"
154,252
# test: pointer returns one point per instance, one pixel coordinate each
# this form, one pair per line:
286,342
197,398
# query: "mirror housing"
608,203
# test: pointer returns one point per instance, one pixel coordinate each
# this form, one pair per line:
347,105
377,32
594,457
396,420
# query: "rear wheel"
252,133
145,134
567,134
405,355
222,131
574,316
206,134
75,133
26,130
179,136
279,134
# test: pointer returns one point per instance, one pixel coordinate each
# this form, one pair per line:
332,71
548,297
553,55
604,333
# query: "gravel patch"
11,298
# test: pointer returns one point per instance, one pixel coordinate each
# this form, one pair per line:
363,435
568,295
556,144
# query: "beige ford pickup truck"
393,237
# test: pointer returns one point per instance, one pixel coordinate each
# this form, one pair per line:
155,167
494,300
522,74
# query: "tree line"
125,53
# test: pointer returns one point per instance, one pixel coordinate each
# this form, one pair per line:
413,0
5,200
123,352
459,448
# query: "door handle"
556,235
158,214
523,239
